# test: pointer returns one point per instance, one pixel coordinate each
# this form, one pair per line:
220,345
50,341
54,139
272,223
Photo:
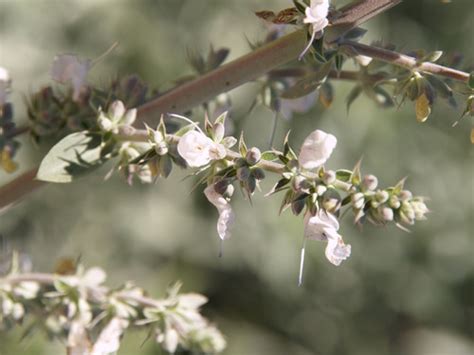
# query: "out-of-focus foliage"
399,293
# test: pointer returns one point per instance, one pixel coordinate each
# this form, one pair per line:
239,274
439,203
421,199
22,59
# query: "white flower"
324,226
109,338
78,342
226,215
117,117
69,68
4,85
198,149
316,15
316,149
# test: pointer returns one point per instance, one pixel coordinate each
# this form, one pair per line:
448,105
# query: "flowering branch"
91,318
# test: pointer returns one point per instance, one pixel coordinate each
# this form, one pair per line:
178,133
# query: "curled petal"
226,215
323,227
336,250
316,149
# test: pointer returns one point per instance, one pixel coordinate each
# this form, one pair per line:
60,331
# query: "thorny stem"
245,69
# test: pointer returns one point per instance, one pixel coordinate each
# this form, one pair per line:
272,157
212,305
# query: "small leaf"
242,145
431,57
326,95
343,175
280,185
75,155
422,108
300,7
318,46
269,155
356,176
353,95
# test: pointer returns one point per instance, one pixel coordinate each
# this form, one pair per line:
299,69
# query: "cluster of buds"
54,112
91,318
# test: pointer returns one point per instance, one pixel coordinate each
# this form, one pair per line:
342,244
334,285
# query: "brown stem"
225,78
17,131
15,190
406,61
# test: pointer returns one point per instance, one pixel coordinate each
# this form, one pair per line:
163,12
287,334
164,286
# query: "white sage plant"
93,125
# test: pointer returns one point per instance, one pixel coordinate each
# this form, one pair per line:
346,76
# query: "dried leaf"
422,108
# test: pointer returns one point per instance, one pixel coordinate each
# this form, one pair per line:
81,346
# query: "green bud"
382,196
358,200
394,202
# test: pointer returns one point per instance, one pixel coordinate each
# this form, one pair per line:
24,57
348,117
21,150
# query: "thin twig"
406,61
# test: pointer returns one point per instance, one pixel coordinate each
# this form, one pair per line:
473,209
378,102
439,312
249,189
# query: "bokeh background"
399,293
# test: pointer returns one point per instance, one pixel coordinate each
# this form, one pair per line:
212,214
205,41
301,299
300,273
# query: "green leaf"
318,46
431,57
300,7
75,155
343,175
269,155
353,95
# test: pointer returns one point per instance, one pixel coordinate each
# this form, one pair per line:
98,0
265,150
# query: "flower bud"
253,156
358,200
394,202
369,182
104,123
405,195
321,189
229,191
243,173
381,196
408,210
116,110
329,177
221,186
161,148
387,214
420,209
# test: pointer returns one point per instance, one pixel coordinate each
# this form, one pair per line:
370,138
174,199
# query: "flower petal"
316,149
195,148
226,215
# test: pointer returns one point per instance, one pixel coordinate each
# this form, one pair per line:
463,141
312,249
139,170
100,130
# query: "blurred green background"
399,293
